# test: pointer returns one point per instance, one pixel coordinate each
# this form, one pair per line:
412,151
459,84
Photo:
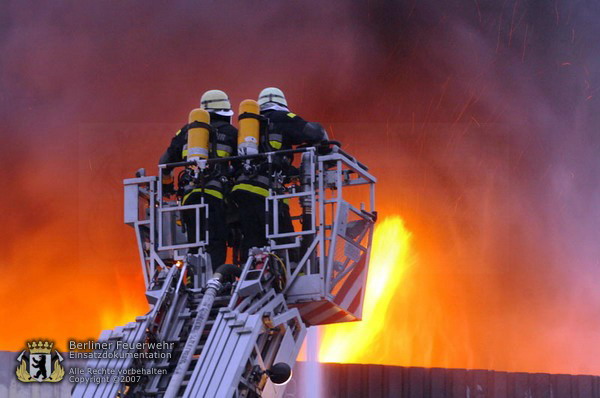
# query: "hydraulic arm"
236,332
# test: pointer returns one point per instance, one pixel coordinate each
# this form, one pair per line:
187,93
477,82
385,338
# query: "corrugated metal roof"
376,381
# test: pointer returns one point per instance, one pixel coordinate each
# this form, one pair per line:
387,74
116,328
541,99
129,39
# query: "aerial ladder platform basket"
236,332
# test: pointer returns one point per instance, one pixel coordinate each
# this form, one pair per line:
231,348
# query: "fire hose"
223,273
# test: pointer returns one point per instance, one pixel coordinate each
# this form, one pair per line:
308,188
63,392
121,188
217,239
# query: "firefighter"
281,129
222,143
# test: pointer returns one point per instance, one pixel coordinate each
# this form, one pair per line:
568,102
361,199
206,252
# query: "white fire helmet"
216,101
272,94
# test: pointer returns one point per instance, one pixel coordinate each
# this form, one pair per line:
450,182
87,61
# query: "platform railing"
326,177
321,269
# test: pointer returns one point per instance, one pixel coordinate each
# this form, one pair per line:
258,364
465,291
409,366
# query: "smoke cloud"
478,117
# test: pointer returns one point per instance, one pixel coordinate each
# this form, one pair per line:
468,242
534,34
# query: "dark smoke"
479,118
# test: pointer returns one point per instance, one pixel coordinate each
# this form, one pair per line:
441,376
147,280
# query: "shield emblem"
40,366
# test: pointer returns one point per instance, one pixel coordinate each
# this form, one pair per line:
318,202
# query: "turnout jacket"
285,129
282,130
222,143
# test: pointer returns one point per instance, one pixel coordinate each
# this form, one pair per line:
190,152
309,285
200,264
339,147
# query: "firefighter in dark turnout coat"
222,143
283,129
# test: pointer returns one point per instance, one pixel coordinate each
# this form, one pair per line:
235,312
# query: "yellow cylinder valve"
198,134
249,130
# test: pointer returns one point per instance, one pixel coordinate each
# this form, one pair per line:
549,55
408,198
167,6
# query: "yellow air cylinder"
198,136
249,130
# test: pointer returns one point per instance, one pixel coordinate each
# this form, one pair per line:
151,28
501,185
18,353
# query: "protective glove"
168,189
324,148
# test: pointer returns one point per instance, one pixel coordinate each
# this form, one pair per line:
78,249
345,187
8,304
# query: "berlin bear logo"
36,363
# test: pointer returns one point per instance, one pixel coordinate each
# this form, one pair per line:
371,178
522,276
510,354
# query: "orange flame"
390,259
416,314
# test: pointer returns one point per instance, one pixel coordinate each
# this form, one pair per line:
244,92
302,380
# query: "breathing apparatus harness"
277,168
191,177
